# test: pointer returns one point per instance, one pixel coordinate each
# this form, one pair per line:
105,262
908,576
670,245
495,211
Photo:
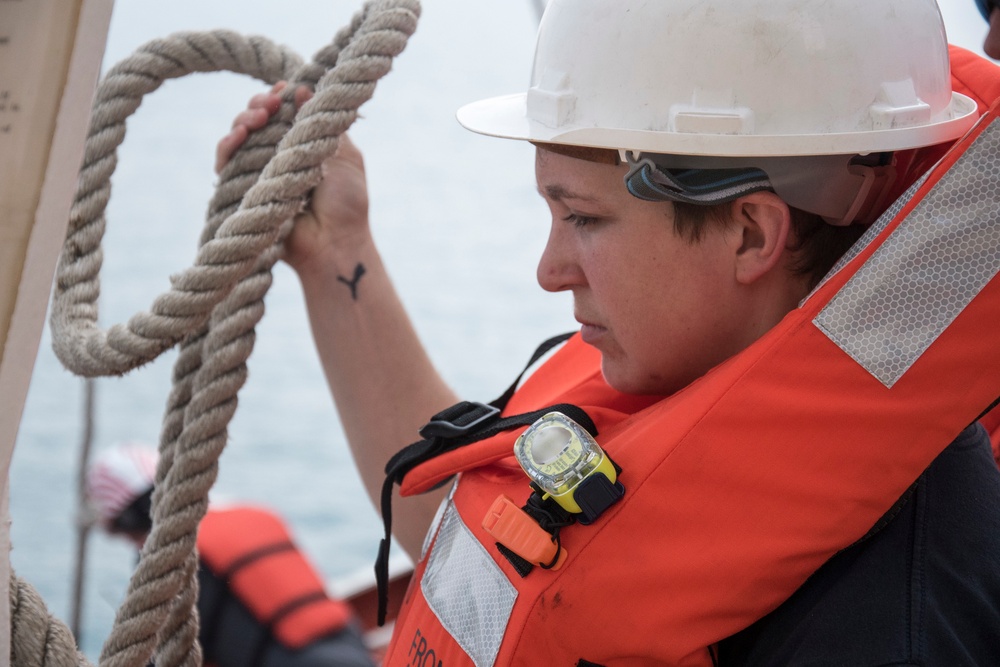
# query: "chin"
620,379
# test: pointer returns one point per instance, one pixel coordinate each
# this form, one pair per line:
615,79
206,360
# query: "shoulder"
923,590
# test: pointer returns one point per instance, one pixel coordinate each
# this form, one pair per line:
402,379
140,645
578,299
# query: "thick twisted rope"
212,307
36,637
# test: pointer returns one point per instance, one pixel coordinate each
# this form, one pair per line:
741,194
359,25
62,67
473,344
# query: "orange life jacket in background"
743,484
974,76
251,549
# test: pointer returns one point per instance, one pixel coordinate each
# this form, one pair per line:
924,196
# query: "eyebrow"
558,192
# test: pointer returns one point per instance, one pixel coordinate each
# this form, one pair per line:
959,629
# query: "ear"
762,223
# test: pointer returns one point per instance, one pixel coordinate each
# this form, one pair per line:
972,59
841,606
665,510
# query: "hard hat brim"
506,117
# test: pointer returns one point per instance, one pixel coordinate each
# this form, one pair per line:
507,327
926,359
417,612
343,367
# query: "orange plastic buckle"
514,528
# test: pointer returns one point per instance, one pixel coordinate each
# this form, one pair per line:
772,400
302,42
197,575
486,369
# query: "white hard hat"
730,78
118,476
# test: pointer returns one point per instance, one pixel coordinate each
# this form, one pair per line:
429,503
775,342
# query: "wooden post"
50,59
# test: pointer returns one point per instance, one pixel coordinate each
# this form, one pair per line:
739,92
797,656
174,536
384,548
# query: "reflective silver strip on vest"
467,590
928,270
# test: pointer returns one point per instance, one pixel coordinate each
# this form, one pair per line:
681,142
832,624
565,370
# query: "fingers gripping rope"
212,307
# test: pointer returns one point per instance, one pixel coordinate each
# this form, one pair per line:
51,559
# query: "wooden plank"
50,59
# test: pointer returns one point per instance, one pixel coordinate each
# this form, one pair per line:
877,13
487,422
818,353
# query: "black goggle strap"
648,181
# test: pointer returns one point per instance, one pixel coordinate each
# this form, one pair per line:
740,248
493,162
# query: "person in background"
990,9
705,164
260,601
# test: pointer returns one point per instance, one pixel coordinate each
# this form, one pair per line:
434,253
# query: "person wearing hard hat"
260,602
761,446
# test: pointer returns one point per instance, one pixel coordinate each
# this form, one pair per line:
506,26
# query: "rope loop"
343,76
212,307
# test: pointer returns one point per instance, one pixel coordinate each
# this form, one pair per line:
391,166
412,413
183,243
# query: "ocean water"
459,225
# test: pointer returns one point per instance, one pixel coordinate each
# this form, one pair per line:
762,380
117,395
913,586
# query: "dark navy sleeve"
923,591
230,636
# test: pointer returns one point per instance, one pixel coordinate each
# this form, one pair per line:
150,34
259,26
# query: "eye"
580,220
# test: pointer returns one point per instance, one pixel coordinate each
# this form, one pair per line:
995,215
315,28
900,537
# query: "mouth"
591,333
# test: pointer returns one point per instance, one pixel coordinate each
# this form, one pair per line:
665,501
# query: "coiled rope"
211,309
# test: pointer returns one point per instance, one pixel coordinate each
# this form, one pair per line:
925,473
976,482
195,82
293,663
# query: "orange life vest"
743,484
977,78
250,548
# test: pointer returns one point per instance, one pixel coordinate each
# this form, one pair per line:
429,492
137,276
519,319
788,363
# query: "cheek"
660,310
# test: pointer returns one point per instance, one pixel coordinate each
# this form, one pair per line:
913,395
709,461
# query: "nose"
558,268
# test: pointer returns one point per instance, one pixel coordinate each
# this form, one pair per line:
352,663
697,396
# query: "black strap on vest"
988,410
462,424
251,557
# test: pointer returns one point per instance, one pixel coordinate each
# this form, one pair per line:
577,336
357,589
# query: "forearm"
383,382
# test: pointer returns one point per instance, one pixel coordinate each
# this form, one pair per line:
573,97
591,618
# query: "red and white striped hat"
118,476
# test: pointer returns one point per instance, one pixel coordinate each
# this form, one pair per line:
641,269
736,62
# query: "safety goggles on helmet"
840,188
648,181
